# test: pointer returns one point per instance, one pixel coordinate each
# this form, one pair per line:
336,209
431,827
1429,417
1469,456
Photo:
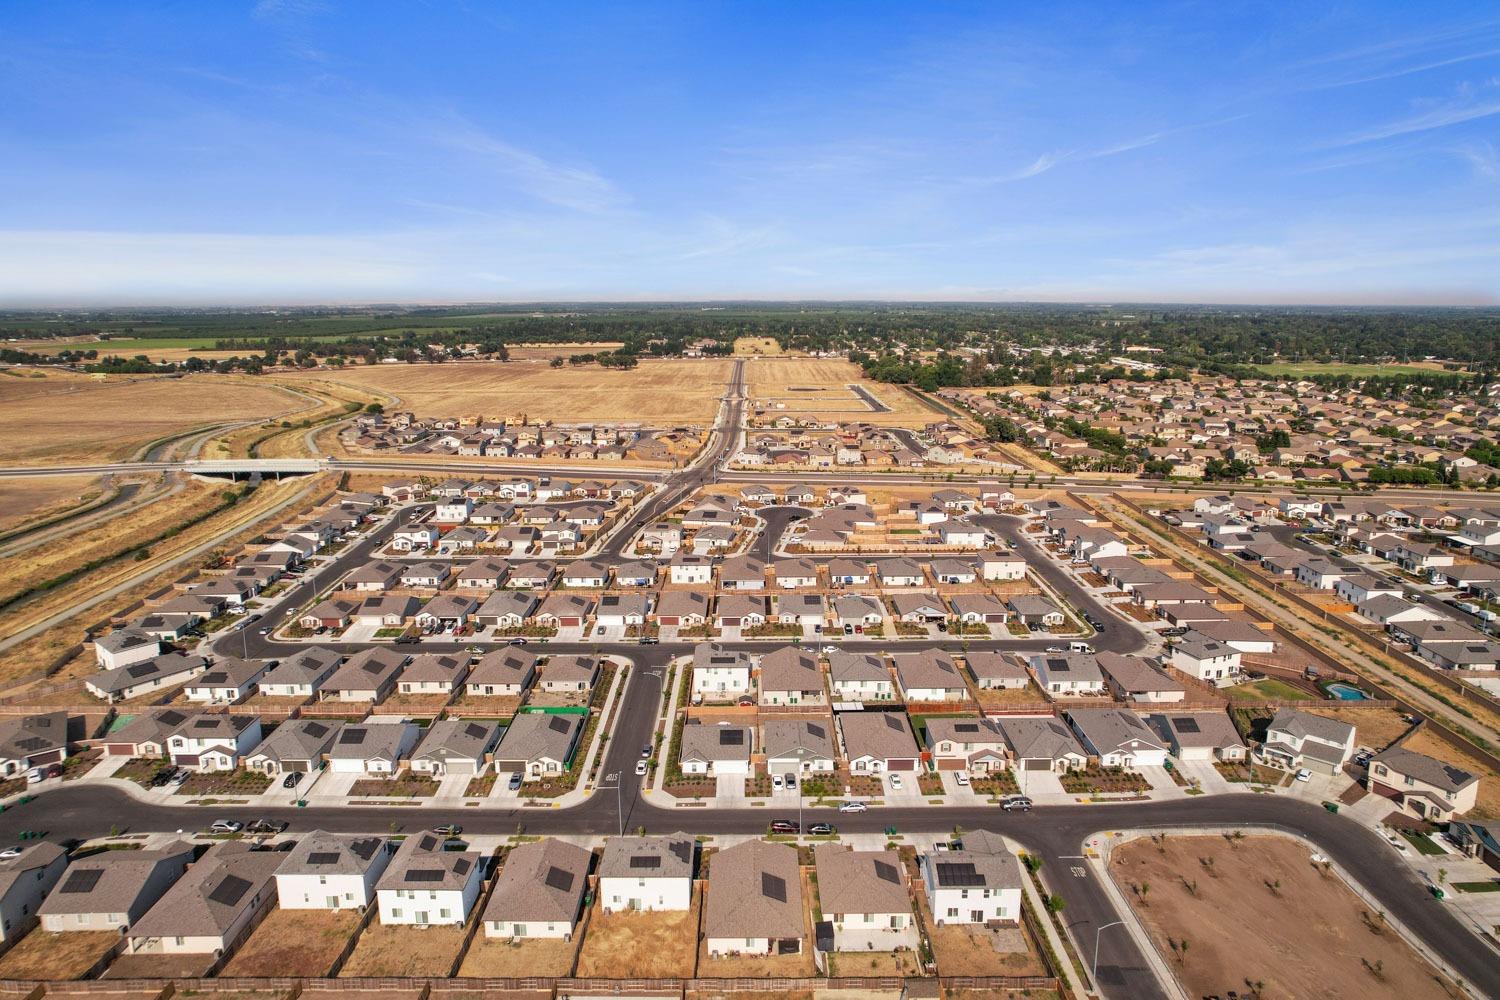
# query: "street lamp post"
1094,972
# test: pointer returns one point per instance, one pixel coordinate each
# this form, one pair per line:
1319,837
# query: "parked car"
518,641
854,807
641,767
11,852
180,776
646,751
896,781
1303,775
514,784
448,830
226,826
783,826
1055,649
962,777
821,830
777,781
649,640
1016,803
293,779
267,826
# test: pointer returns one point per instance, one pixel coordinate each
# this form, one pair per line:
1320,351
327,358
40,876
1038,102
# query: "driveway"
729,790
907,795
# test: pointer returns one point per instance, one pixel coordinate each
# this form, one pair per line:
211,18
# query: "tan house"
1423,786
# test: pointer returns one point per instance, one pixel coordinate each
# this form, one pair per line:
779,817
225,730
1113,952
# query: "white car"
962,777
11,852
226,826
854,807
1303,775
641,767
895,781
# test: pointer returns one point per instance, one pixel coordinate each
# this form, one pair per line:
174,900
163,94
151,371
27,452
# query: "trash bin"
1332,807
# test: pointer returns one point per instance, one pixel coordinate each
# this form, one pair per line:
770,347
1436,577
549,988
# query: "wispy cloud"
288,8
1481,156
1056,158
573,187
1466,108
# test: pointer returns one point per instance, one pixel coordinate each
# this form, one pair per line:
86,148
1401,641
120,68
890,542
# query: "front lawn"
231,783
1422,843
407,786
1097,780
1490,886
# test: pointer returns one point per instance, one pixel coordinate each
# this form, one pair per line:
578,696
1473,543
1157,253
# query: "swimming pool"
1345,692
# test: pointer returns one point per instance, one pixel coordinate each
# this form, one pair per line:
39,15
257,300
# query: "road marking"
1079,871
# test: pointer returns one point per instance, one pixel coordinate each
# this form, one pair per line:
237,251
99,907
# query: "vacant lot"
820,387
294,943
1300,369
656,392
40,955
647,945
752,346
502,958
1264,915
65,417
30,500
1376,728
404,951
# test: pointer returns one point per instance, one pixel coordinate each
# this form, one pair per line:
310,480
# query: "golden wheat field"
65,417
656,392
821,388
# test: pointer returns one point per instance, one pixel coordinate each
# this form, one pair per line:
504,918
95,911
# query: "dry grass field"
644,944
294,943
656,392
404,951
1311,934
819,387
65,417
756,346
503,958
42,955
1376,728
29,500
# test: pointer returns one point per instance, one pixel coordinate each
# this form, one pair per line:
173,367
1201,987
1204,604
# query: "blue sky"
328,151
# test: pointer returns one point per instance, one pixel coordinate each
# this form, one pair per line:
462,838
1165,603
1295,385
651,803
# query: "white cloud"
571,187
1452,113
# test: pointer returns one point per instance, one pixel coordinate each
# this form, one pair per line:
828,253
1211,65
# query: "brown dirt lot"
665,391
148,966
90,419
818,387
404,951
41,955
29,500
502,958
1306,938
294,943
647,945
1376,728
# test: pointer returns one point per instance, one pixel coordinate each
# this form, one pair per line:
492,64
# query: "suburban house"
563,610
25,881
859,677
878,741
505,609
996,671
1301,740
538,745
1071,675
1042,744
797,746
295,745
125,646
504,673
28,741
369,675
326,872
455,746
865,896
226,682
980,884
540,891
682,609
373,748
1423,786
214,742
577,672
1130,678
966,743
719,673
647,873
790,676
1034,609
434,673
145,677
111,890
979,609
754,903
1206,659
206,910
716,750
300,675
929,675
425,884
1118,738
1199,736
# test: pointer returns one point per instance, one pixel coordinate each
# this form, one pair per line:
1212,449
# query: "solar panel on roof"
773,887
886,871
557,724
958,873
475,731
731,737
1187,726
316,730
966,727
352,737
559,879
424,875
461,865
82,880
323,858
645,862
230,891
817,731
